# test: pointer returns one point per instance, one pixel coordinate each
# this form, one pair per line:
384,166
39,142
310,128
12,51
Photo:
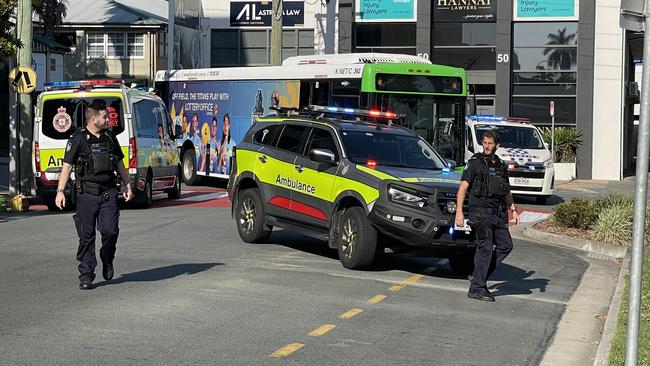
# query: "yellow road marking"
413,279
287,350
322,330
397,287
351,313
375,299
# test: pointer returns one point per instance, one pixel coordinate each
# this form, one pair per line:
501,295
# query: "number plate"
521,181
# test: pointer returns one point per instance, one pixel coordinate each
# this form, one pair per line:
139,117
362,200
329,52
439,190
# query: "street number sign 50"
503,57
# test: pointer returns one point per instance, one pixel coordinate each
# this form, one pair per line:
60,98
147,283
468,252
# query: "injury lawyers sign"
386,10
258,13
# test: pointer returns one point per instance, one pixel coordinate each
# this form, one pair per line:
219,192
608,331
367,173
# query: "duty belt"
486,210
93,188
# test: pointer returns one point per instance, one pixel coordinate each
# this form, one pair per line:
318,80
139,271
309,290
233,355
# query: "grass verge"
617,352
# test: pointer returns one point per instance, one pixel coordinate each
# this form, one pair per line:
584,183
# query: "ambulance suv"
138,119
522,148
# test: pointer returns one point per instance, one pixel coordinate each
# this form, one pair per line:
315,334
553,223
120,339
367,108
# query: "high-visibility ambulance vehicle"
138,119
522,148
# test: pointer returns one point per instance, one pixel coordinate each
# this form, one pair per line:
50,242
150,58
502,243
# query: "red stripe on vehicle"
298,207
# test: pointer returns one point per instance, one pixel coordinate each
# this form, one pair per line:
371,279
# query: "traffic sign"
22,79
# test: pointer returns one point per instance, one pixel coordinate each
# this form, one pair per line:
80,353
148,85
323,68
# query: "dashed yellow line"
287,350
375,299
396,288
352,313
413,279
321,330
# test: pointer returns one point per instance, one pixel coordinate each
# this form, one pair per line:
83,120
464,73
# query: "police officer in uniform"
96,155
486,179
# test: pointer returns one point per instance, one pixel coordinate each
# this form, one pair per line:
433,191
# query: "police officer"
96,155
486,179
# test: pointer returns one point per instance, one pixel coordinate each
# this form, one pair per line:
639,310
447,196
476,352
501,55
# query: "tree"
50,13
562,58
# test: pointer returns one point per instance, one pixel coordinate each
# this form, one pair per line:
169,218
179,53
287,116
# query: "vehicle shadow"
160,273
531,200
512,280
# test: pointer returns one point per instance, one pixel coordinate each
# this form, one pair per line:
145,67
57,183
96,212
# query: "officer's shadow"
515,281
160,273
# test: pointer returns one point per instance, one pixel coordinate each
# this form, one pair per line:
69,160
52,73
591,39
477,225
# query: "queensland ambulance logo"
62,120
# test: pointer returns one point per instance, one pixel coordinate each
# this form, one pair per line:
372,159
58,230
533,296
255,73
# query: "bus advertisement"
213,108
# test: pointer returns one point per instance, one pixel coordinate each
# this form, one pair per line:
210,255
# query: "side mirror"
452,163
322,156
547,146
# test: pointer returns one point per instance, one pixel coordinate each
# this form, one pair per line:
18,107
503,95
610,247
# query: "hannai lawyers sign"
258,13
464,10
386,10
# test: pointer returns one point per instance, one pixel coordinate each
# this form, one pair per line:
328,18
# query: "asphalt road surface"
187,290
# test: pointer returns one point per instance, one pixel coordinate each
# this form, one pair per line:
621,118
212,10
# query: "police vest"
97,158
490,181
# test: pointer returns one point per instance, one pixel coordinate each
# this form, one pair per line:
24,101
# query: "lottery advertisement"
215,115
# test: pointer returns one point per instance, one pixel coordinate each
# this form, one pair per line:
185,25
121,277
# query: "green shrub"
614,225
567,142
3,205
576,213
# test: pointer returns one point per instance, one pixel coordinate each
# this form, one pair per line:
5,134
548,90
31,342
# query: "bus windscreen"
419,83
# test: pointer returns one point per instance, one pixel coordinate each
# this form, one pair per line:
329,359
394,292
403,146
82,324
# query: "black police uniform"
488,189
95,160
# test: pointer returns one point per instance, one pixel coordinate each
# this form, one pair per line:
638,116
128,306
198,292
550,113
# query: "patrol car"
522,148
138,119
360,185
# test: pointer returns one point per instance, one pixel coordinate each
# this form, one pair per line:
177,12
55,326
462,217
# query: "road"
188,291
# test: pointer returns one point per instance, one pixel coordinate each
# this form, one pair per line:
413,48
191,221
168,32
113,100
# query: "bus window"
320,93
345,93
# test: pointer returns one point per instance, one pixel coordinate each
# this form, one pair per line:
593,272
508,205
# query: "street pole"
24,130
640,197
170,35
552,110
276,33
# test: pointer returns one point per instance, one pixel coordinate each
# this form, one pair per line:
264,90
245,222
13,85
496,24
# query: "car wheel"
462,264
175,192
189,167
357,239
249,215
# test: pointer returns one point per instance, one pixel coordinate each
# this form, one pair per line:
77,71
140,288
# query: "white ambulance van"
138,119
522,148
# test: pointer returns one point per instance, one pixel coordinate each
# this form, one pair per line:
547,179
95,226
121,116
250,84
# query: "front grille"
526,174
444,197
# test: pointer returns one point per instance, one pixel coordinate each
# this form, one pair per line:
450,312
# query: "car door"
312,202
275,169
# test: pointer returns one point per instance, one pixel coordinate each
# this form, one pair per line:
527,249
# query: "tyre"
249,215
50,203
462,264
189,167
357,239
175,192
147,194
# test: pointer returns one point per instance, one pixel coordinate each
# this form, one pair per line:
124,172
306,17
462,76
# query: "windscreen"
513,136
62,116
389,149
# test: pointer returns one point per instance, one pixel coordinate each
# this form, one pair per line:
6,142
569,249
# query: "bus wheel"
189,167
147,193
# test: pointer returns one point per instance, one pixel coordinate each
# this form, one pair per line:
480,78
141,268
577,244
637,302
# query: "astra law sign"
464,10
258,13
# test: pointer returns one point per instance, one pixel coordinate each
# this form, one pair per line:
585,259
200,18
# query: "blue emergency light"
490,118
83,83
352,111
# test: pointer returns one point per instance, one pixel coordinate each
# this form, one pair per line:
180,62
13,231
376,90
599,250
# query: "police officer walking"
96,155
486,179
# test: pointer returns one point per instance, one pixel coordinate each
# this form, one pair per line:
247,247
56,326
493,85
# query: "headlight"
406,198
450,206
548,164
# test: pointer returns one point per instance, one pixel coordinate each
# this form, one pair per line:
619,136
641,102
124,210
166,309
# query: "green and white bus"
213,108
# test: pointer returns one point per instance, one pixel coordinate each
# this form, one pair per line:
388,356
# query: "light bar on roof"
84,83
351,111
487,118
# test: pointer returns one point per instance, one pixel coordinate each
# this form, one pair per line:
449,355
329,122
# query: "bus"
213,108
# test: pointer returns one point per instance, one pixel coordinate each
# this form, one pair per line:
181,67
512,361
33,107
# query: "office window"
470,46
252,47
385,38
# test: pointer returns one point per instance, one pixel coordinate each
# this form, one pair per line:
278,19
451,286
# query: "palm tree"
50,13
560,57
